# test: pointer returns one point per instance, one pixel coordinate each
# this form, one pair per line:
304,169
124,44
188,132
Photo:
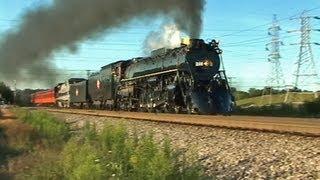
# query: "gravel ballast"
230,154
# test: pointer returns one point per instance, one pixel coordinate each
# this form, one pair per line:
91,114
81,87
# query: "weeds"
115,154
111,154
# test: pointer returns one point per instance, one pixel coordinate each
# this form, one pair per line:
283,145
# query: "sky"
241,27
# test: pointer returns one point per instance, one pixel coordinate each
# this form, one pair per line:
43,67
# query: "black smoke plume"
25,53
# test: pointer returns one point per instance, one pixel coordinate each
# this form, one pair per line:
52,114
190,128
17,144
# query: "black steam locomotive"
186,79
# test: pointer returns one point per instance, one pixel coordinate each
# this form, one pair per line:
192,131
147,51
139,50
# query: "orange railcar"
44,98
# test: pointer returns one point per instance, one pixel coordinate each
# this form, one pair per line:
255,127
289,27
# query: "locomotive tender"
184,79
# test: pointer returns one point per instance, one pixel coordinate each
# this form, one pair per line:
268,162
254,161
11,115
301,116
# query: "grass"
23,140
307,109
112,153
277,99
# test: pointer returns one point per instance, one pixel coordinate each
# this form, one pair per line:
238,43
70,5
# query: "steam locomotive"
185,79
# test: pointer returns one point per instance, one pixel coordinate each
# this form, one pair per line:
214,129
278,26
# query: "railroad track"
297,126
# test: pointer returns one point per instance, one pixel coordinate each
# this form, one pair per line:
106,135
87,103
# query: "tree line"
20,97
253,92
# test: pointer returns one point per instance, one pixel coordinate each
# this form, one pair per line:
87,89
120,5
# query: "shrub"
115,154
313,108
82,162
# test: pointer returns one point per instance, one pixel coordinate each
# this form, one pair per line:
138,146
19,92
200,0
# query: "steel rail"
286,125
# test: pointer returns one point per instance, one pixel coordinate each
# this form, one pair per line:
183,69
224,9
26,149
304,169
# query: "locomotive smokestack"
24,53
185,41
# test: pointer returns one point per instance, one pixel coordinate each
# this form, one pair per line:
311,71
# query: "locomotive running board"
149,75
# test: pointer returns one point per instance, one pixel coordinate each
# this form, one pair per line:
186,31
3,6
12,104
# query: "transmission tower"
275,79
306,72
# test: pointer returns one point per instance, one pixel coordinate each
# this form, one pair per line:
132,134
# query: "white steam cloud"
167,37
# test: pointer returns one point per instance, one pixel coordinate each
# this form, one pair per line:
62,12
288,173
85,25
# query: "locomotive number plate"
205,63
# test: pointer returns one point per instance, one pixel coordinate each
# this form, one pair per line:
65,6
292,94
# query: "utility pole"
306,71
230,80
88,73
275,79
14,91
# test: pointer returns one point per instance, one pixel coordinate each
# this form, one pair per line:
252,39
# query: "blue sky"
244,51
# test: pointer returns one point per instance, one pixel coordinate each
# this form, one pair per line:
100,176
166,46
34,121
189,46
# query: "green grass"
277,99
112,153
306,109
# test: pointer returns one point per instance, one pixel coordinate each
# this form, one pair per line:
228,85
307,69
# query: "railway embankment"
228,153
39,145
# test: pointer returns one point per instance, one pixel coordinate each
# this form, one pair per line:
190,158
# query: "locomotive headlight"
207,63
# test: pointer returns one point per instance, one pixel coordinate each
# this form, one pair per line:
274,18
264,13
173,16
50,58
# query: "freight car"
42,98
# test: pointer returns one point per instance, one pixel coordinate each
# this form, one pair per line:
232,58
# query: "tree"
6,93
23,97
253,92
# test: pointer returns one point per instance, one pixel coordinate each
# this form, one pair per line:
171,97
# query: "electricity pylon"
275,79
306,71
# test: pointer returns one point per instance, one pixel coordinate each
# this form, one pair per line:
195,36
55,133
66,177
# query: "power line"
262,25
253,42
